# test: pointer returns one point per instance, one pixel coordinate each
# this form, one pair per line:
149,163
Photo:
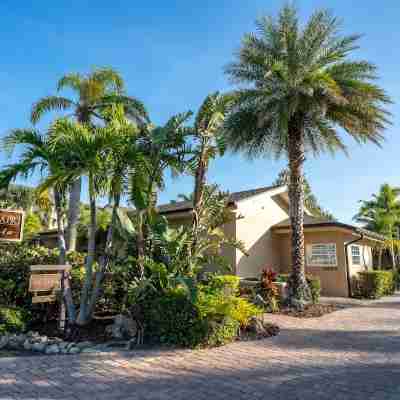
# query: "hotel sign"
11,225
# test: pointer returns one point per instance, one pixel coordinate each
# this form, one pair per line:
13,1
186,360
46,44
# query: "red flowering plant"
269,290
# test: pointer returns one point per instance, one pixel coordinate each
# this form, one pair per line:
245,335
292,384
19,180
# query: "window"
355,255
322,255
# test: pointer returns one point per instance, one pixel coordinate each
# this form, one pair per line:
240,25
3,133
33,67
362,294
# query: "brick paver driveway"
352,354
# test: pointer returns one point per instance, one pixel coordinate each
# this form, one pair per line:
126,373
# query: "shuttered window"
322,255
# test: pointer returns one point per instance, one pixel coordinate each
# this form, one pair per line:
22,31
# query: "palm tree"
160,148
208,134
95,93
106,155
89,149
298,86
382,215
39,155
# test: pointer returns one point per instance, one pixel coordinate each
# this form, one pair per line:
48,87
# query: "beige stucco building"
334,251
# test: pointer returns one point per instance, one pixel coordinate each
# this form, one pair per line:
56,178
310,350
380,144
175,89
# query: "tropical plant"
38,155
382,215
94,151
32,225
17,196
310,201
28,199
209,143
299,85
95,93
161,148
206,243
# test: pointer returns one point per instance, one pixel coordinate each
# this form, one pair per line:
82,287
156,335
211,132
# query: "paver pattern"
352,354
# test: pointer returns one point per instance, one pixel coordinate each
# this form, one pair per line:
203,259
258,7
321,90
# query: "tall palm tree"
105,155
161,148
39,155
298,86
208,135
382,215
95,93
89,149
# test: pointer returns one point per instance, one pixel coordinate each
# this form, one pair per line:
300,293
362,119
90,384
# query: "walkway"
352,354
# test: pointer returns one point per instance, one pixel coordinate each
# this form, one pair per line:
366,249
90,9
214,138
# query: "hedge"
374,284
12,320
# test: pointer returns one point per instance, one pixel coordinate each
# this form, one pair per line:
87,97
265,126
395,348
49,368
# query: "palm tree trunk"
83,316
67,294
199,184
73,214
105,260
392,254
140,242
83,117
299,292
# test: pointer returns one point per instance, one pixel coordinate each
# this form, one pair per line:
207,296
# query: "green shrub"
214,317
15,262
12,320
396,280
229,284
171,318
315,286
374,284
282,278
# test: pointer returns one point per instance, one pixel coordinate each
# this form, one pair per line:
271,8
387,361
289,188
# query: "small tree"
382,215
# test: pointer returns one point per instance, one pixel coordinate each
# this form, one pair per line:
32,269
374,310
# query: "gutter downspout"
346,247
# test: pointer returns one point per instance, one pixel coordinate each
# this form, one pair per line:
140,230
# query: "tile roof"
233,197
310,221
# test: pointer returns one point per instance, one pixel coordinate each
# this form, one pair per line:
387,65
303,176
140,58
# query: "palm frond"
47,104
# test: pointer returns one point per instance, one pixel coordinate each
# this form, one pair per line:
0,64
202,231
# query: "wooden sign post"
11,225
47,282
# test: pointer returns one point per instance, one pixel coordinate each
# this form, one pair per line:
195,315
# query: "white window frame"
360,263
309,249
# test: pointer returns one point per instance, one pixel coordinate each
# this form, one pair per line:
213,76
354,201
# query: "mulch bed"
310,311
94,332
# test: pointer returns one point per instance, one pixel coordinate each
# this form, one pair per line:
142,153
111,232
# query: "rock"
52,349
131,344
89,350
14,343
33,334
256,326
39,347
70,345
259,329
83,345
74,350
4,340
28,345
123,327
63,345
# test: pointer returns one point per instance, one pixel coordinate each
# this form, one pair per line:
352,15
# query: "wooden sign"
46,281
11,225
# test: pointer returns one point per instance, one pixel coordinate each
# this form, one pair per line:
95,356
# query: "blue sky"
171,54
